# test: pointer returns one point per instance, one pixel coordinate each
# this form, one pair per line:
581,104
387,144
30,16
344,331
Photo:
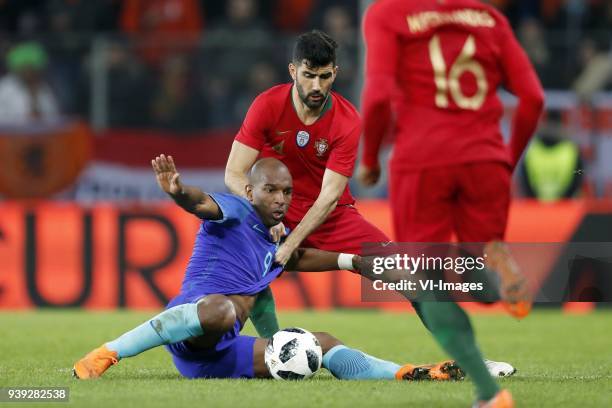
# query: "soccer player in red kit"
315,132
437,65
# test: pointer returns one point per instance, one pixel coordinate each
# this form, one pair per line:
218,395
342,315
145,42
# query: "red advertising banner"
107,256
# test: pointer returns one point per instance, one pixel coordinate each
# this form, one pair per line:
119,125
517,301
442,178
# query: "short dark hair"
316,47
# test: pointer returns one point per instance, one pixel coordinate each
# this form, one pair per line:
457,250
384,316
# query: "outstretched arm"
316,260
191,199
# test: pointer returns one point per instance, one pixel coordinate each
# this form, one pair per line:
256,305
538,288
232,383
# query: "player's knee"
217,313
327,341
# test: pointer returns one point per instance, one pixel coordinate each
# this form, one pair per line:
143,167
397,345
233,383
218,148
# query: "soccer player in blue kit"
232,261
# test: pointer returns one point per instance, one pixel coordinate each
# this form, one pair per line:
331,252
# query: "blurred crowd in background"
169,64
189,66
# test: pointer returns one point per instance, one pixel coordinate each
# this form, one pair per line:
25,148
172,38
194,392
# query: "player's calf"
172,325
327,341
346,363
351,364
213,315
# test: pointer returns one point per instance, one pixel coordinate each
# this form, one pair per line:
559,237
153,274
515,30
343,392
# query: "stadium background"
82,222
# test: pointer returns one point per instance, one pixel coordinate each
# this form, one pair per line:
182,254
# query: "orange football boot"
444,371
514,288
94,364
502,399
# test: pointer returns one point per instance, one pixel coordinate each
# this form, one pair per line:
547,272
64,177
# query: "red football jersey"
272,126
442,62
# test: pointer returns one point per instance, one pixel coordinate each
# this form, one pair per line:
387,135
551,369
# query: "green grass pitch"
562,361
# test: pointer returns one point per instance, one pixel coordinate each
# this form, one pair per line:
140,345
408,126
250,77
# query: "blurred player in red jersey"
441,62
315,133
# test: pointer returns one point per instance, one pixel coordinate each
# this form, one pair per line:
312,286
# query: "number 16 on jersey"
448,81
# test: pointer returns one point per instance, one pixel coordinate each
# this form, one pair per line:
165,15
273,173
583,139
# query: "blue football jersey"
231,256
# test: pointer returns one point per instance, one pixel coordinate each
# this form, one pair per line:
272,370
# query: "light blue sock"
349,364
173,325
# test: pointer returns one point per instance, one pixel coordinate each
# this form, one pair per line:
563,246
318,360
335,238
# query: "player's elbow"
378,90
537,101
330,201
534,99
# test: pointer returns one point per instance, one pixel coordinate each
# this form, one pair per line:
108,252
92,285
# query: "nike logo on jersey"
282,132
256,227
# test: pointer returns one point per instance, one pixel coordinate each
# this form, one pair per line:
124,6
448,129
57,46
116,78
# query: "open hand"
167,176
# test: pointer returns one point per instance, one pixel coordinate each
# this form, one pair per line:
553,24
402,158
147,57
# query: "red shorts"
344,230
471,200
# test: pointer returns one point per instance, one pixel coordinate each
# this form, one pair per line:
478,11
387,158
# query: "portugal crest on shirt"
302,138
321,146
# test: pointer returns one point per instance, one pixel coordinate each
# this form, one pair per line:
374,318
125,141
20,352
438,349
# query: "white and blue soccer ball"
293,354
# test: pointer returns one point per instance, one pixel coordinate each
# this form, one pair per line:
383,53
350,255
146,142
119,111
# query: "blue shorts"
231,357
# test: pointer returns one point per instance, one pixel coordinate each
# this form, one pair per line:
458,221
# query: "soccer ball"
293,354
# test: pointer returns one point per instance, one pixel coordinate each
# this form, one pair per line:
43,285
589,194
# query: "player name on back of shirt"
421,22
